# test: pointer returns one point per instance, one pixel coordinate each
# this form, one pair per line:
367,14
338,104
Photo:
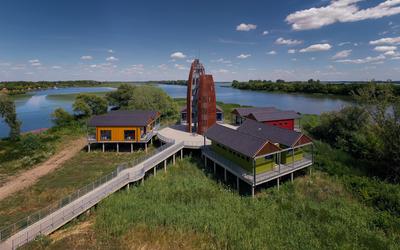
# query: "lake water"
307,104
34,109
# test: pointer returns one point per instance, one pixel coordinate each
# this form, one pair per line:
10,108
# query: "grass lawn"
72,175
33,149
185,209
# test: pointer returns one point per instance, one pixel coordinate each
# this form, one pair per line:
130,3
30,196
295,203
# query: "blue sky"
149,40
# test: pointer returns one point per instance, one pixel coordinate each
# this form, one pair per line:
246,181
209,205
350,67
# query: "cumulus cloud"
35,62
368,59
221,60
316,48
223,71
291,51
272,52
180,67
385,48
386,40
246,27
110,51
342,54
111,59
86,57
342,11
243,56
56,67
290,42
178,55
162,66
265,32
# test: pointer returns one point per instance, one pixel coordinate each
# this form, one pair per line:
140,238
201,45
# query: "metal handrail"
14,228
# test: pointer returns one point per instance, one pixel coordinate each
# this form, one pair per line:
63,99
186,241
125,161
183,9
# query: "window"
129,135
105,135
183,116
219,116
269,157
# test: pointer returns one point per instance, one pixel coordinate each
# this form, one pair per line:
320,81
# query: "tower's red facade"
201,101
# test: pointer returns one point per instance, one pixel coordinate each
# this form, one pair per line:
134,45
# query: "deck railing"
12,229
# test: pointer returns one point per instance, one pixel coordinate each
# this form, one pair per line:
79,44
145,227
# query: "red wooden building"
267,115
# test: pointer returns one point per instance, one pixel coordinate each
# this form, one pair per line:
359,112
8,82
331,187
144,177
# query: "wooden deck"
278,171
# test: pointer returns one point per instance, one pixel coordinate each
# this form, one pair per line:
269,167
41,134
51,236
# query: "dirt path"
29,177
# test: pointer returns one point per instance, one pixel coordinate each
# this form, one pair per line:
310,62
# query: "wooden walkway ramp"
74,208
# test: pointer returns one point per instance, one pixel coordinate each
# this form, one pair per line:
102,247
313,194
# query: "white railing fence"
18,226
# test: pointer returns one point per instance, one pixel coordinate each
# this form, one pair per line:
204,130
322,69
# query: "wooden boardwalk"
60,217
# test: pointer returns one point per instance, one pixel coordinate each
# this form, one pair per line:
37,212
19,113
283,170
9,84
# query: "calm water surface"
34,109
308,104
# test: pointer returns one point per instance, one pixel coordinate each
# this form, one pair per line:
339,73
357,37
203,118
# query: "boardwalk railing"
20,225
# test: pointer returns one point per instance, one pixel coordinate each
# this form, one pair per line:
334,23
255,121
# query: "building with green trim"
256,152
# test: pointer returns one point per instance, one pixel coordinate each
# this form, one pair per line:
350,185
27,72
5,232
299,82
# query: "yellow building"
136,126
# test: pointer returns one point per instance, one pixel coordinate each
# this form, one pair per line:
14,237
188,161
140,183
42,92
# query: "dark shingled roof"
245,144
274,116
123,118
268,132
248,111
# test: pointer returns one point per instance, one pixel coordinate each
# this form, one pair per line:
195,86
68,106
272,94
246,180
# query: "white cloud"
385,48
222,60
110,51
282,41
56,67
317,47
86,57
180,67
162,66
223,71
265,32
344,43
178,55
368,59
246,27
35,62
386,40
340,11
342,54
272,52
392,53
291,51
243,56
93,66
111,59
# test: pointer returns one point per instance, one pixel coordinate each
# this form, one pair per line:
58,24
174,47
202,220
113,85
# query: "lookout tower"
201,101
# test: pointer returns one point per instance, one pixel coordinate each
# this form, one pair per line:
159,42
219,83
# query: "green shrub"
61,117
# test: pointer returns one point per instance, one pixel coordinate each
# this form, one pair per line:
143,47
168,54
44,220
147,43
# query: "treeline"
126,97
369,131
21,87
310,87
171,82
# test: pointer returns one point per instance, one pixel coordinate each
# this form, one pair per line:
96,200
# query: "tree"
122,96
86,105
152,98
8,112
61,117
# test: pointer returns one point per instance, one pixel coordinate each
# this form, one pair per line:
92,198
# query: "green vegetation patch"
77,172
312,213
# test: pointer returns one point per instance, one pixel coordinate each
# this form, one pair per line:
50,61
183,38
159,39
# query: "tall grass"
312,213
